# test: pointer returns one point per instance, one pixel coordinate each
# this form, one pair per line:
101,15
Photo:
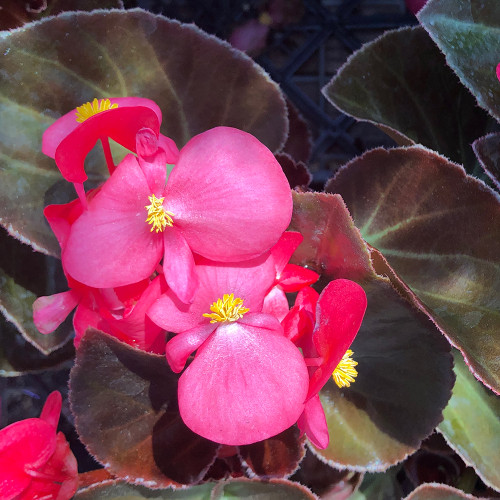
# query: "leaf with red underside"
278,456
439,230
435,491
199,82
394,403
297,174
401,83
487,150
125,407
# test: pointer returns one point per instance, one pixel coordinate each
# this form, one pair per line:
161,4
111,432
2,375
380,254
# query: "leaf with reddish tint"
297,174
18,357
435,491
487,150
467,32
299,142
125,407
401,83
471,425
439,229
277,456
16,304
404,365
237,488
52,66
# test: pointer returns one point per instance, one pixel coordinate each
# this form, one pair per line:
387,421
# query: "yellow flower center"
226,309
92,108
345,373
157,215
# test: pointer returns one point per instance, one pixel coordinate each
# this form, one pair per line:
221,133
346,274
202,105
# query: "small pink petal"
312,422
52,409
284,249
178,265
170,148
230,197
85,317
111,244
276,303
293,278
245,384
498,71
184,344
49,312
61,217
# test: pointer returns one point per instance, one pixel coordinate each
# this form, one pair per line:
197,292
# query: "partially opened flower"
226,199
35,461
247,381
324,327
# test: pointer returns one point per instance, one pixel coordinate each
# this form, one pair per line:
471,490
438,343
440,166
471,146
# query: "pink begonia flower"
35,460
226,199
247,381
70,138
498,71
289,277
120,312
324,326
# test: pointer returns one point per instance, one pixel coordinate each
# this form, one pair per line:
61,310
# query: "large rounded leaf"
52,66
468,33
471,425
435,491
125,407
401,82
404,366
439,229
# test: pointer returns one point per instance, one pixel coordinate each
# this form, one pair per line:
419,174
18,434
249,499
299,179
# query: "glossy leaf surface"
125,407
471,425
52,66
439,229
467,32
404,366
401,82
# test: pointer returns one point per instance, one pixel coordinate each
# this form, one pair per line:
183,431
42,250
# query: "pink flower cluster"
193,243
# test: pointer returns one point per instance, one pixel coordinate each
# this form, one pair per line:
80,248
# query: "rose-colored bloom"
247,381
35,460
226,199
498,71
324,327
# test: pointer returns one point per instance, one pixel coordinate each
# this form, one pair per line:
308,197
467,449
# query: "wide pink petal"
49,312
178,265
184,344
229,195
339,313
52,409
276,303
245,384
312,422
111,244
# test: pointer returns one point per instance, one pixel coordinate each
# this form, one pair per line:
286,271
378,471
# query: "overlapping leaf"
439,229
435,491
471,425
54,65
487,150
401,82
468,33
405,369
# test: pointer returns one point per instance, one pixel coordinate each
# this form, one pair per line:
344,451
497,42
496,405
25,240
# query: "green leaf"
468,33
238,488
439,230
401,83
471,425
487,150
404,365
125,407
52,66
435,491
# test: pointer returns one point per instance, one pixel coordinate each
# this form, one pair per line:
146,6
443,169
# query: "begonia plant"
236,333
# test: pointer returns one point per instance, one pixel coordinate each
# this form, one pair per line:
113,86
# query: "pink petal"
312,422
184,344
84,318
229,195
111,244
248,280
245,384
52,409
284,249
293,278
61,217
178,265
49,312
276,303
170,148
498,71
340,310
152,160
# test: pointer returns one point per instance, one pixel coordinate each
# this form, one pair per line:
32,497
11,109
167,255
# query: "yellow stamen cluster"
92,108
345,373
157,215
226,309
